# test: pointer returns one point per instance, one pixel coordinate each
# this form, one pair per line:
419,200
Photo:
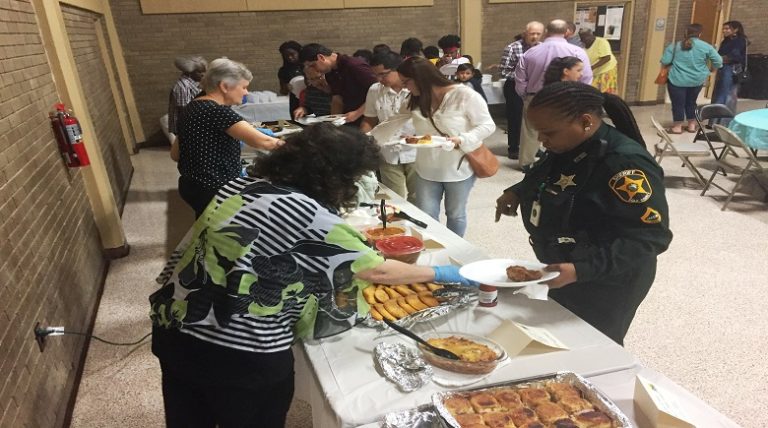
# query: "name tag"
535,213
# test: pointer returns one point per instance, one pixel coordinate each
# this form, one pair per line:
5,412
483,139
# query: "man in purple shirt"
348,77
529,78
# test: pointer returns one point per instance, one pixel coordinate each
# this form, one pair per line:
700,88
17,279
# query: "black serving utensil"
383,214
405,216
434,349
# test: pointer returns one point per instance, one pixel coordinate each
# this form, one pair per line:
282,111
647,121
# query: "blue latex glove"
450,274
266,131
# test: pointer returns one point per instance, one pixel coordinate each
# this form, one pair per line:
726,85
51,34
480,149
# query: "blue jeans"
726,90
430,193
683,101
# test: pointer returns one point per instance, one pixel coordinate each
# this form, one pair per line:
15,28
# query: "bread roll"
428,299
393,294
415,302
380,294
376,314
393,308
380,308
403,290
368,294
406,307
418,287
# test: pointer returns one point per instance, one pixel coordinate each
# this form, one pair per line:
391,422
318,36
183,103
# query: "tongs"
397,213
434,349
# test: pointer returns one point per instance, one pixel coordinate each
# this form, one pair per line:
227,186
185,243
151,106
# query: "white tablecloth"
265,112
494,92
346,390
620,388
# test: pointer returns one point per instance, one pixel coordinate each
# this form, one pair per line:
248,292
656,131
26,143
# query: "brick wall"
81,29
751,14
50,261
151,42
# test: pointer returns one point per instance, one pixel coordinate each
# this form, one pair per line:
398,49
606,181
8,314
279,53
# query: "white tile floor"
702,324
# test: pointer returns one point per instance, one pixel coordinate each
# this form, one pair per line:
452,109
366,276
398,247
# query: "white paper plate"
336,119
494,272
437,141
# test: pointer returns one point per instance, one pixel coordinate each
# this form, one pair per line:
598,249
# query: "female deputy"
594,207
269,261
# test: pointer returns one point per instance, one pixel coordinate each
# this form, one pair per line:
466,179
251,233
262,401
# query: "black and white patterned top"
207,153
259,260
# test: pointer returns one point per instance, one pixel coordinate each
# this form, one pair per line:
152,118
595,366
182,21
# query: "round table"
752,127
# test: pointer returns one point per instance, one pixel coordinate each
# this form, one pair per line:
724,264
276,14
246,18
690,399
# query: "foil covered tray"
451,297
588,391
424,416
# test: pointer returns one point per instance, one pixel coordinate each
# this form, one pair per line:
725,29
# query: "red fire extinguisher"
69,137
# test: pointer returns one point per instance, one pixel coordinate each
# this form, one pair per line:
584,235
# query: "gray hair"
190,64
224,70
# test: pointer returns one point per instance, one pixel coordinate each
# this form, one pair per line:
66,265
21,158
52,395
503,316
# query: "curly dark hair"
323,162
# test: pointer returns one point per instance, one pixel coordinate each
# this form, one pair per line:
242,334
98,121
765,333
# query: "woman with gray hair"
210,133
186,88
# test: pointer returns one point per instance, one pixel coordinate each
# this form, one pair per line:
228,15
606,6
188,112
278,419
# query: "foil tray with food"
561,400
424,416
407,304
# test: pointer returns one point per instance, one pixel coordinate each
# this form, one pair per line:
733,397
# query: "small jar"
488,296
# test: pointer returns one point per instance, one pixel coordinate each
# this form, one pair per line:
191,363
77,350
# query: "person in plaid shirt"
186,88
509,59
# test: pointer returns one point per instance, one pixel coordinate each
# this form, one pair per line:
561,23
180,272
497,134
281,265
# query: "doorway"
711,14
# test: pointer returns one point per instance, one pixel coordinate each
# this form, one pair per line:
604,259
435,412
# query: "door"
711,14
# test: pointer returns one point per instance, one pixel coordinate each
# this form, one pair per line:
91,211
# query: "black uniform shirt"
601,207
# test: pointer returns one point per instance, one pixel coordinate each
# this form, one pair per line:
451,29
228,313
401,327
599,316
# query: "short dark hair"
449,41
311,51
324,162
466,66
411,47
365,54
557,66
569,99
381,47
431,52
389,60
290,44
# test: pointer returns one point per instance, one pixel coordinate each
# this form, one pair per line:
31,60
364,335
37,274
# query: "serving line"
337,376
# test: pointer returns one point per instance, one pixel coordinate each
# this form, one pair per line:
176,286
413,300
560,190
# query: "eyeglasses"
383,74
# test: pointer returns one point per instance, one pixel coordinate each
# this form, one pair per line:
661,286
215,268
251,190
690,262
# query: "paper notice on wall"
586,18
613,18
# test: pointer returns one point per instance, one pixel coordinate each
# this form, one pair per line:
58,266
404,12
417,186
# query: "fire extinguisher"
69,137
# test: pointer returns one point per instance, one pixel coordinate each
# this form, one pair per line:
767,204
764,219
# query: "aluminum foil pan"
424,416
452,297
402,365
589,392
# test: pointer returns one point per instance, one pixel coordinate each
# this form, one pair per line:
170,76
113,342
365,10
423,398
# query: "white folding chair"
728,161
682,150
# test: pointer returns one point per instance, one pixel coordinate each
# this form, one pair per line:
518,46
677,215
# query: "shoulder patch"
631,186
651,216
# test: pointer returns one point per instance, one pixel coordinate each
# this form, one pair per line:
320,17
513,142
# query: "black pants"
189,405
514,115
195,194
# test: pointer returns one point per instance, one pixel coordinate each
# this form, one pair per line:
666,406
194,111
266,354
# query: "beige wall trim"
654,48
69,88
116,95
122,74
91,5
206,6
471,28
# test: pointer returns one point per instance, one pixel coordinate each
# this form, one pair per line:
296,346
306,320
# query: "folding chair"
743,167
684,151
705,132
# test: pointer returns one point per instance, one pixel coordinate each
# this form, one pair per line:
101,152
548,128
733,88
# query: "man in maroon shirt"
348,77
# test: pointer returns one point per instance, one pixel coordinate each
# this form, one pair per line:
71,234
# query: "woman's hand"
299,113
567,274
507,205
455,140
353,115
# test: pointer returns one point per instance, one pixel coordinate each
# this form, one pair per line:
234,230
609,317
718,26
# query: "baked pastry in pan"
484,402
549,412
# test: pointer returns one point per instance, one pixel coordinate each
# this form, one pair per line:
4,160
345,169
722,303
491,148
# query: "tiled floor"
702,324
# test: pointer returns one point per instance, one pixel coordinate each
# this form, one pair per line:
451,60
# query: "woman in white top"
439,106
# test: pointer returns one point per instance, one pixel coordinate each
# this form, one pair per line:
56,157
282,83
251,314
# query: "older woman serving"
269,261
441,107
210,134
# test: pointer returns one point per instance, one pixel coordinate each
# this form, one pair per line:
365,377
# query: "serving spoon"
434,349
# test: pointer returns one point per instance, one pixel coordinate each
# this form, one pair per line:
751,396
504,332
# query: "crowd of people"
269,258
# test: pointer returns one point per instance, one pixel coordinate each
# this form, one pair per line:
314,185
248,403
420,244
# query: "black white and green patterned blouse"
257,266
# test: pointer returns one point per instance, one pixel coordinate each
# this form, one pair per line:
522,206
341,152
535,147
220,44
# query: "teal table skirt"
752,127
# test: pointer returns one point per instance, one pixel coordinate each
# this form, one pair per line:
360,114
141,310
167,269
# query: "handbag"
481,160
663,76
741,74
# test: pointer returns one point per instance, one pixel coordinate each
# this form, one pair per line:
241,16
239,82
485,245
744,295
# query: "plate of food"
507,272
424,141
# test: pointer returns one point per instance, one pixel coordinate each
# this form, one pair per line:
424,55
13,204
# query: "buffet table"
337,375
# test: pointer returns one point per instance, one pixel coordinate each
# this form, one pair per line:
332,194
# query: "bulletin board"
605,21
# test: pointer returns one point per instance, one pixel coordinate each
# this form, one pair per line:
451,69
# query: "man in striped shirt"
509,60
